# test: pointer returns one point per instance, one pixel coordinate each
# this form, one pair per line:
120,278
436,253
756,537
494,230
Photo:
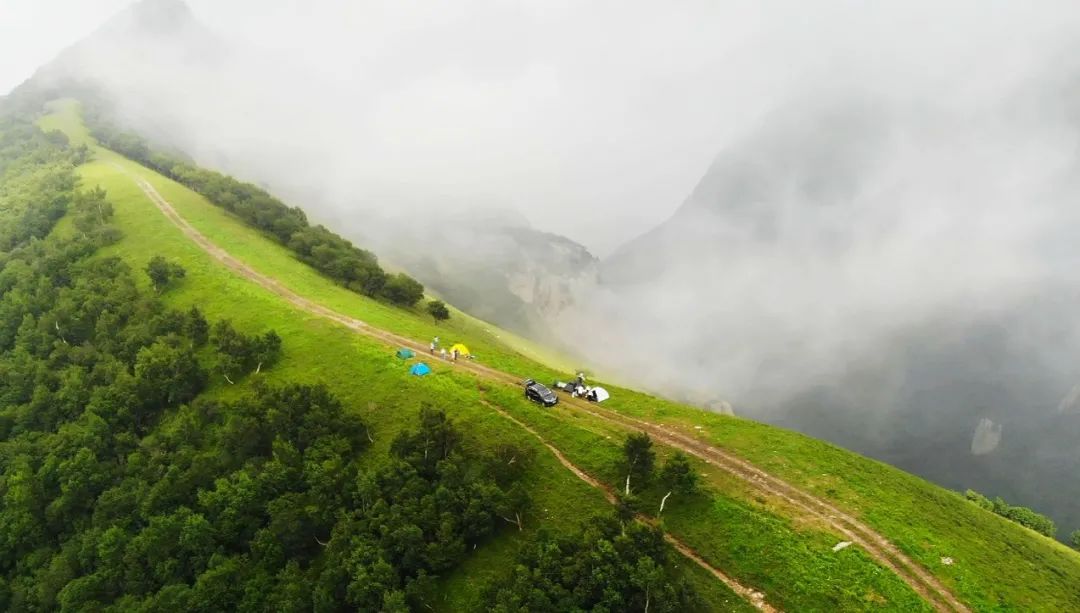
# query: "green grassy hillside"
761,541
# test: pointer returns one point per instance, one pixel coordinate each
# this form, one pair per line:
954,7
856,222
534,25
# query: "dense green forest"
355,268
125,487
601,568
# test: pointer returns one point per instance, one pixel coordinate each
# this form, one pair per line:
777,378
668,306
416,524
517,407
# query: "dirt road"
754,597
852,529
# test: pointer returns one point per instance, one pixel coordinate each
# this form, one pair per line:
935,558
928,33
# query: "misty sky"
607,113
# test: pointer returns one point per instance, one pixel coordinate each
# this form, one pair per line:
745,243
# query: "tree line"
355,268
1021,515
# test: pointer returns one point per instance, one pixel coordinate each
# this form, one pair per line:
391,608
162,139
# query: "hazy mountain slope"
747,194
494,266
884,310
136,47
157,52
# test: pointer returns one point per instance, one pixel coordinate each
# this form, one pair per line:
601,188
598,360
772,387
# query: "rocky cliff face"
491,264
549,272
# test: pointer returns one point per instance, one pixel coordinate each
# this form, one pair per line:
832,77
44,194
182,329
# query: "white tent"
599,394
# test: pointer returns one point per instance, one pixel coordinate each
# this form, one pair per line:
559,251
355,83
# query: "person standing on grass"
442,353
431,347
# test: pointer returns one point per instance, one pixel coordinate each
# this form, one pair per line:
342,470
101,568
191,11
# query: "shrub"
1021,515
401,289
330,254
162,272
438,310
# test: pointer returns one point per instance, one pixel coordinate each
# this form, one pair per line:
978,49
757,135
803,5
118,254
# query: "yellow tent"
462,350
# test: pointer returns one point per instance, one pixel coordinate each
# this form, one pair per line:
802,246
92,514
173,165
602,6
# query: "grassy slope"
363,374
316,353
998,564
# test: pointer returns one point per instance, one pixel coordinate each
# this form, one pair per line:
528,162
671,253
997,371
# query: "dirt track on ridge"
754,597
877,546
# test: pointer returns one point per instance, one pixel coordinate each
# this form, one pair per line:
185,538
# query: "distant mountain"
745,195
141,61
494,265
781,284
147,38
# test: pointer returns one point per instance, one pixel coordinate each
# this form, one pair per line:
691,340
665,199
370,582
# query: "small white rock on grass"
841,545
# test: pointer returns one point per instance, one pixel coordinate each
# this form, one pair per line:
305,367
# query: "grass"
998,565
793,564
363,373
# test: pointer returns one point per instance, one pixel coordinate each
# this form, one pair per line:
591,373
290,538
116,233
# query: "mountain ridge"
761,489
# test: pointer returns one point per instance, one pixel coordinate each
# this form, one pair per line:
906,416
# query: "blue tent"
420,369
405,353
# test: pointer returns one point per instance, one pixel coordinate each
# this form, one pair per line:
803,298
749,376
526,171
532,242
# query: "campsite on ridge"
414,332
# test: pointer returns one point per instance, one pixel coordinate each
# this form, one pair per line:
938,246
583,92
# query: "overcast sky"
32,32
606,112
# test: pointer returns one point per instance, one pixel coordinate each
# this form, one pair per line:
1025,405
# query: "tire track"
754,597
877,546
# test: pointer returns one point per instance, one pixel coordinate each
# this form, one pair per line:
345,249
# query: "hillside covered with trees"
125,487
329,253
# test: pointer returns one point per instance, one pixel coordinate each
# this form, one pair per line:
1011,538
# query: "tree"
234,349
162,272
438,310
1021,515
240,354
197,327
627,506
678,476
436,439
979,499
91,210
167,374
1074,539
648,577
639,459
403,290
608,565
267,350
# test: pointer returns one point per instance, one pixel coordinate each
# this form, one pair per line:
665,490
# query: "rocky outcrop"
549,273
494,266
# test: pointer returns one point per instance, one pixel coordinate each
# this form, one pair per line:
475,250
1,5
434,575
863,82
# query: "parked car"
540,394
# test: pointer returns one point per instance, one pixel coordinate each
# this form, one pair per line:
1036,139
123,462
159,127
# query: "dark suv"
539,393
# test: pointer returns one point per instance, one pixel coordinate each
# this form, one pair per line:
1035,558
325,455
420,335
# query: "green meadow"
758,541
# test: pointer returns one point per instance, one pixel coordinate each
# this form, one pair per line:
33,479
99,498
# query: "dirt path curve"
876,545
754,597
